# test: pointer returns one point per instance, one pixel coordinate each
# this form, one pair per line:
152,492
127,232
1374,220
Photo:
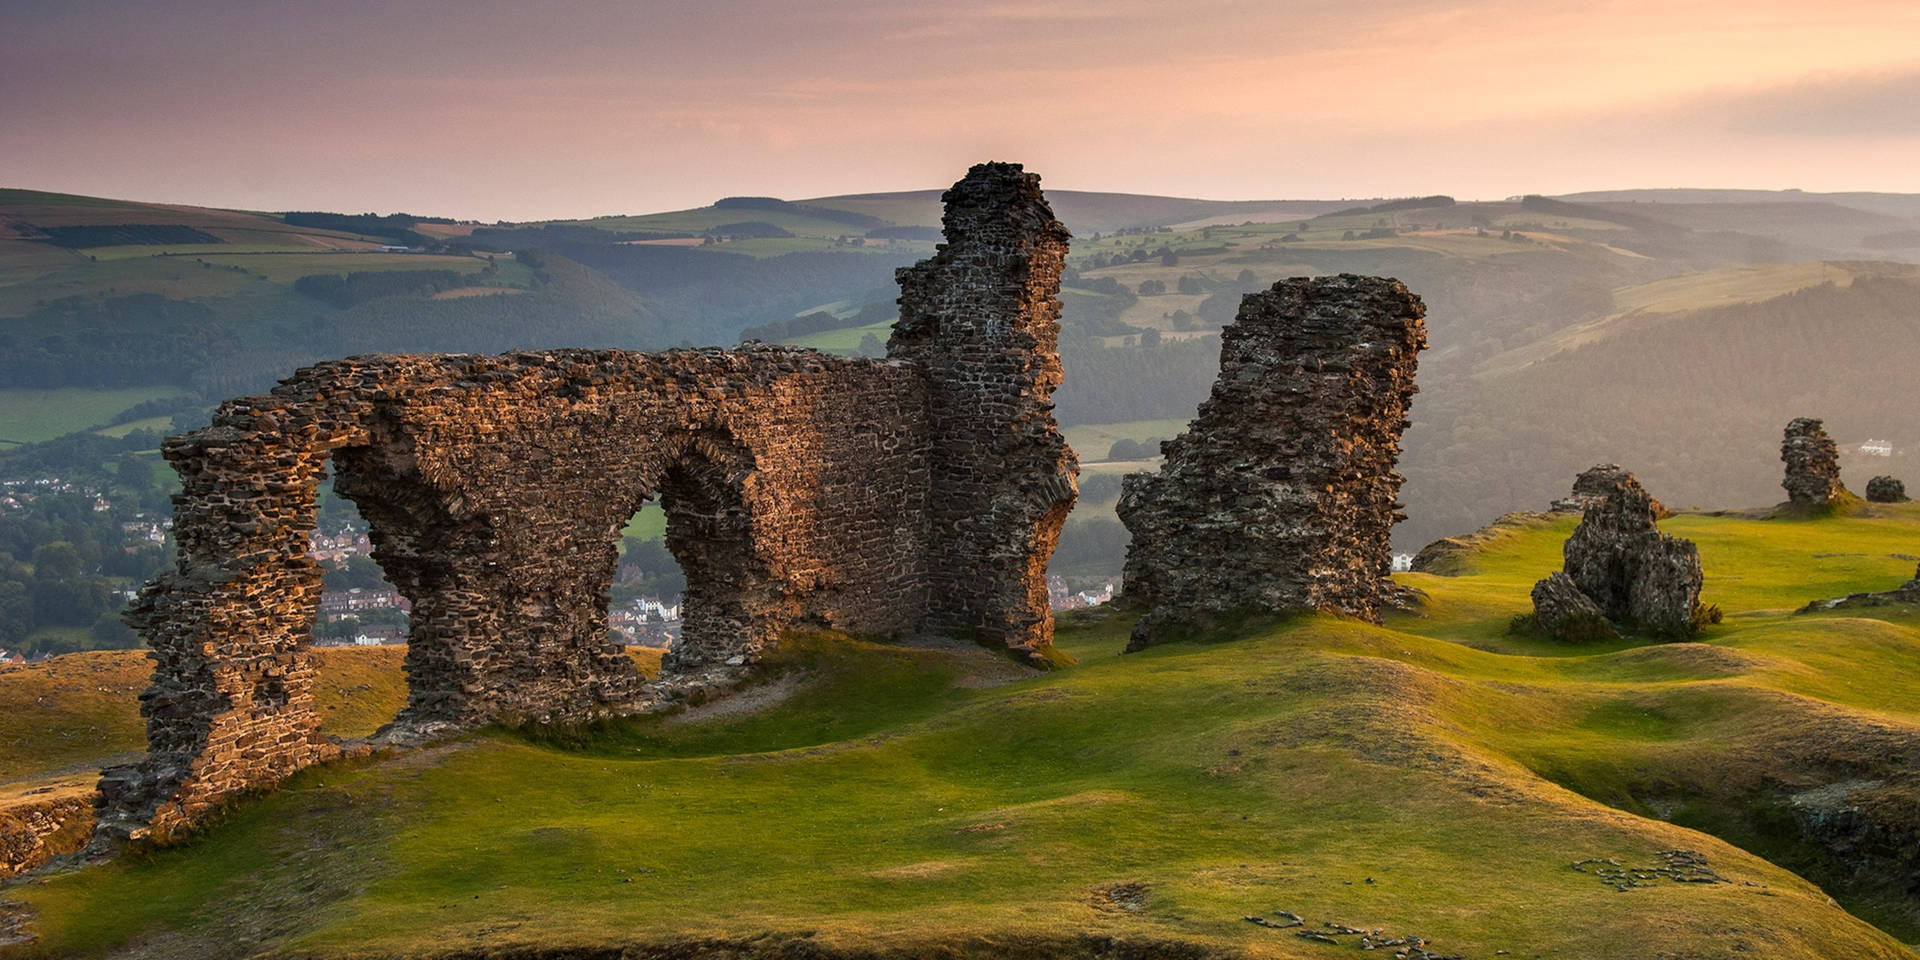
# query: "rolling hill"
1432,777
1511,285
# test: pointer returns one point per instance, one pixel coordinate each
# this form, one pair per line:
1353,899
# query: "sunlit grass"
893,798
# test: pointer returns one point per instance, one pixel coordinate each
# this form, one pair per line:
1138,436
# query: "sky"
542,109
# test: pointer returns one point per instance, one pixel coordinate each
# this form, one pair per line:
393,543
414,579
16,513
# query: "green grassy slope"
75,713
1432,777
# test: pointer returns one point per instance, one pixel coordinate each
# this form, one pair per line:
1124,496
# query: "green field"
288,267
649,524
1432,776
847,339
30,414
1092,441
1716,288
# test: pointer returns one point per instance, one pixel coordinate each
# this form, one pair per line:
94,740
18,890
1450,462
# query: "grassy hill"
1433,777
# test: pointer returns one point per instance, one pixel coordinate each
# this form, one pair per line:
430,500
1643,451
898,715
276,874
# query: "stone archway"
732,607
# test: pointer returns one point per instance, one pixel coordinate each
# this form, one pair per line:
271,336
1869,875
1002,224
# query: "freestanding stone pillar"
1813,464
982,318
1280,495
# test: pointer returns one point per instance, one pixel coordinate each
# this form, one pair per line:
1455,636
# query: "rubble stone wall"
43,824
916,493
1280,495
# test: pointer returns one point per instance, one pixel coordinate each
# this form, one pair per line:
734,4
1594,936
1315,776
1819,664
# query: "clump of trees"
363,285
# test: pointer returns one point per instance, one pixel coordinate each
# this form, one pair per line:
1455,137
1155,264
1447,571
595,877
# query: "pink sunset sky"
524,110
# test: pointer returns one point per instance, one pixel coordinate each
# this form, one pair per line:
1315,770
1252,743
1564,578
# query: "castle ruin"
1620,569
922,492
1813,465
1280,495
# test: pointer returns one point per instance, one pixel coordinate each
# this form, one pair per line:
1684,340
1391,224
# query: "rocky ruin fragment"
1621,571
41,824
918,493
1906,594
1280,495
1592,486
1884,489
1813,465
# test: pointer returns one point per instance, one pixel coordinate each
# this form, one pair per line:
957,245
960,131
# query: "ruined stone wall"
44,823
982,318
879,497
1280,495
495,487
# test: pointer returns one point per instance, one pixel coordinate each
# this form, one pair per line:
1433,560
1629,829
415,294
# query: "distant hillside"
1508,284
1889,204
1693,401
1087,213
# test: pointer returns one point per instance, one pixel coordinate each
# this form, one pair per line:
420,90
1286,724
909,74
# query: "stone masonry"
1813,465
1592,486
982,319
1620,569
1280,495
919,493
43,823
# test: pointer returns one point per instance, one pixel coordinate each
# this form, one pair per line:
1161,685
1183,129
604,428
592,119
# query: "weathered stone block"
1629,572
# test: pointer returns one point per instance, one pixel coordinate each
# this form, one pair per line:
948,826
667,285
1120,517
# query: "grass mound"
1435,777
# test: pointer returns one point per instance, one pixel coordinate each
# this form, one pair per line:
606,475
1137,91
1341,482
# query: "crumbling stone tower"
1813,464
1280,495
923,492
982,318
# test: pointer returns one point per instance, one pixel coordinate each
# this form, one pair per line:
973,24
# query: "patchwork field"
29,415
1432,777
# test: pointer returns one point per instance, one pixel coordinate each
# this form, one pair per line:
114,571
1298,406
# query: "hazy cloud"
1830,107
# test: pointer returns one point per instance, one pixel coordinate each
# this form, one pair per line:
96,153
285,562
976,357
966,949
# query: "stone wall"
918,493
1280,495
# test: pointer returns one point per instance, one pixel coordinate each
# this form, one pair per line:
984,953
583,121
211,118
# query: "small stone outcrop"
1562,611
1592,486
1884,489
1813,465
1280,495
1906,594
920,493
1621,570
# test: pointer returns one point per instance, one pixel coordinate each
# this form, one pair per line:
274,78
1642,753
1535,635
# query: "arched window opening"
360,630
645,601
